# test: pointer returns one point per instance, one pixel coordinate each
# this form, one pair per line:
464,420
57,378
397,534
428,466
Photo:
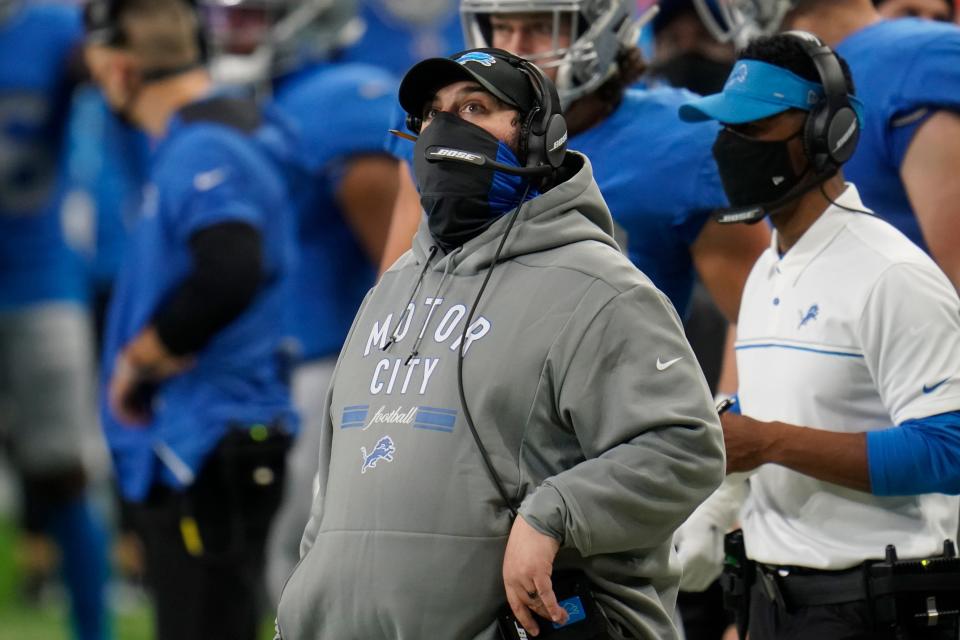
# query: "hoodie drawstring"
423,328
413,294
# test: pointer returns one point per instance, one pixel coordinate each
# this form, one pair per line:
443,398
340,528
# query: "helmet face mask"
252,40
587,37
739,21
238,29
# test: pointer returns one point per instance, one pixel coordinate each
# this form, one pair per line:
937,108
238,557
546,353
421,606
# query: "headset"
101,22
832,130
543,133
830,135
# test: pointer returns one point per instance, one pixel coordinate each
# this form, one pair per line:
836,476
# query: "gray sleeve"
326,439
636,399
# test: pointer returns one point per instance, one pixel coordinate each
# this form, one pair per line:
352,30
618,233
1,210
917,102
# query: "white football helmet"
739,21
599,31
250,41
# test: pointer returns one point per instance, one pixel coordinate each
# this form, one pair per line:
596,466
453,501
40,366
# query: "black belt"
810,588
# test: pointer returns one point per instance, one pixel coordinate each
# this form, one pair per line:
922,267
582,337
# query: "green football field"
20,622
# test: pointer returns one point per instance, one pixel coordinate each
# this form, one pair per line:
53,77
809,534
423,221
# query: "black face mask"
694,71
461,199
757,172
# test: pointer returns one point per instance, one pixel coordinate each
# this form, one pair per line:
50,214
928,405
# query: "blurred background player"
195,406
106,171
684,53
398,33
343,193
662,200
686,57
46,356
907,73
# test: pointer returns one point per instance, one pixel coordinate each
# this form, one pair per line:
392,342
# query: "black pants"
213,594
848,621
703,615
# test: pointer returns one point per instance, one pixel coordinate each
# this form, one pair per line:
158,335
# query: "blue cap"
757,90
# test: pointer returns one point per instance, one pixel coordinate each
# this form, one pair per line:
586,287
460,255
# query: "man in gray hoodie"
514,399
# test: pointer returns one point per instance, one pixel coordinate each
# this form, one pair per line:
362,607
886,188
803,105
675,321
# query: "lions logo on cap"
485,59
739,75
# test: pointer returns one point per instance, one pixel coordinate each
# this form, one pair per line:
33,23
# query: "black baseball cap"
495,70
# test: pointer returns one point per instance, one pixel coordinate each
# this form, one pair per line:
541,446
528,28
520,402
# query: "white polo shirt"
854,329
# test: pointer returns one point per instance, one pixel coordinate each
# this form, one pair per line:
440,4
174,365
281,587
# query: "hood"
572,211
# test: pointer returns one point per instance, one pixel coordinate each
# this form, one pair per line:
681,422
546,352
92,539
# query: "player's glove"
699,540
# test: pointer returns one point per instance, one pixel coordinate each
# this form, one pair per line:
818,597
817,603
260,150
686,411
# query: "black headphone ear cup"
544,136
555,140
833,129
842,135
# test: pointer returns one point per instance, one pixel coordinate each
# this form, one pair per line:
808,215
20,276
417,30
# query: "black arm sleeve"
227,273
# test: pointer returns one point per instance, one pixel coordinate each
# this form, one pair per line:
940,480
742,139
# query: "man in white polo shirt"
848,353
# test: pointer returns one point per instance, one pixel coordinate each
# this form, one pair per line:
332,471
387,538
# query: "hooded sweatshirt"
584,392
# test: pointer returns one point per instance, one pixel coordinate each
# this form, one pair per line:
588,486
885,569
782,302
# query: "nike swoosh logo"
669,363
209,180
934,387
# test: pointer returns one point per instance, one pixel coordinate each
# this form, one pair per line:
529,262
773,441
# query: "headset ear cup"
842,135
833,129
544,136
555,140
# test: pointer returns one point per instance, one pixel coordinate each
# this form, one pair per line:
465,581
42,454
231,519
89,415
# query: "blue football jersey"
204,173
107,164
657,175
334,272
36,264
397,45
904,71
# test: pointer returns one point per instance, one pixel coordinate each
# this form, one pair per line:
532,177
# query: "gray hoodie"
585,394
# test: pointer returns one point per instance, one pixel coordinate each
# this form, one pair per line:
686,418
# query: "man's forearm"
840,458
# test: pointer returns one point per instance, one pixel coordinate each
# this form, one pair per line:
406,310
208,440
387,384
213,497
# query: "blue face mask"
462,199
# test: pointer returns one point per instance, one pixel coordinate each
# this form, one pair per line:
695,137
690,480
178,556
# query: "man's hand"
527,565
148,354
126,394
747,441
144,362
